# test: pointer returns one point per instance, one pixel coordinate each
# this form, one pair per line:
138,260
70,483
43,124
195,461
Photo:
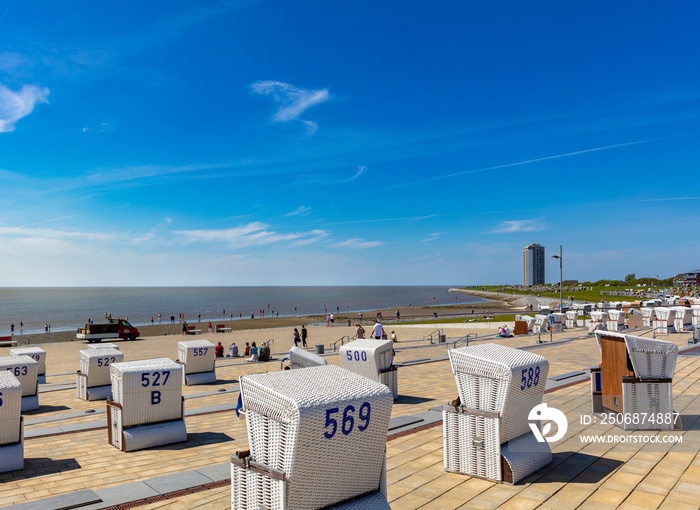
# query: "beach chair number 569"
530,377
348,422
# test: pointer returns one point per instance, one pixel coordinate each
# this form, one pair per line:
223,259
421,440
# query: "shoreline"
168,329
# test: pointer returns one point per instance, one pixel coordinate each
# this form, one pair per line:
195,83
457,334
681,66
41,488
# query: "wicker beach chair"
530,321
93,380
683,318
317,438
557,321
103,345
541,322
11,424
199,360
37,354
598,320
488,435
616,320
373,359
663,322
571,319
648,315
696,315
643,391
299,358
25,369
147,408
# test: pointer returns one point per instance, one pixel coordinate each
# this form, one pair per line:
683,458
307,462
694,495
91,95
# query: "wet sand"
281,322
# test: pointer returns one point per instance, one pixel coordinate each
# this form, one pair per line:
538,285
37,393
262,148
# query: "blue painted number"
201,351
356,355
146,380
530,377
348,423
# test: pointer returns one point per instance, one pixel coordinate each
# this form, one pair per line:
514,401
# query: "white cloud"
432,237
303,210
15,105
102,127
293,101
252,234
358,244
508,227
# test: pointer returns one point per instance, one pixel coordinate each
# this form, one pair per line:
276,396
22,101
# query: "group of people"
301,337
504,331
377,333
251,351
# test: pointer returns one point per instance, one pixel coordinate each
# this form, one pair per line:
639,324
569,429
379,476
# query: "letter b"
155,397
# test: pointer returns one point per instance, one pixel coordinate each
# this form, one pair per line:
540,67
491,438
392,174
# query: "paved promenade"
66,448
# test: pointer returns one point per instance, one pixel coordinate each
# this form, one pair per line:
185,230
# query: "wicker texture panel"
25,369
472,445
95,364
391,380
146,397
367,357
299,358
287,415
651,357
36,353
197,355
525,455
157,434
11,408
250,490
12,456
647,398
665,314
490,378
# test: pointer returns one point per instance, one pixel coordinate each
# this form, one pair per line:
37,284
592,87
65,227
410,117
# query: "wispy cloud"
432,237
251,234
15,105
19,232
102,127
360,171
359,244
303,210
293,101
508,227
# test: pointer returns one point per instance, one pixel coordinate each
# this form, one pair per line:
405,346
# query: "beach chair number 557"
356,355
348,422
530,377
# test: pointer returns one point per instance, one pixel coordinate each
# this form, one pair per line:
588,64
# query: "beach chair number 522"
530,377
356,355
104,362
348,422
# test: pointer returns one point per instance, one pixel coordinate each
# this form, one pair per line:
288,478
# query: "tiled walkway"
582,476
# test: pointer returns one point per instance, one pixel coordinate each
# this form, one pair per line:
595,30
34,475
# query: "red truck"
115,328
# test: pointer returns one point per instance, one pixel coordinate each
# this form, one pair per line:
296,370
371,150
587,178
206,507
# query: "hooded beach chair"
598,320
299,358
571,319
11,424
26,370
616,320
372,359
198,358
93,380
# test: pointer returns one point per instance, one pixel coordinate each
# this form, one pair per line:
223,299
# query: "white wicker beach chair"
648,391
25,369
147,408
373,359
299,358
663,321
696,315
530,321
648,315
541,322
488,435
37,354
103,345
683,318
616,320
557,321
317,438
93,380
199,359
11,425
598,321
571,319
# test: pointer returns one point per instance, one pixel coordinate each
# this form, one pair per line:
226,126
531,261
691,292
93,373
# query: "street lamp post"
561,301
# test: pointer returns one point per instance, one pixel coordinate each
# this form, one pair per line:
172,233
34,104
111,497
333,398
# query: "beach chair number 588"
530,377
348,422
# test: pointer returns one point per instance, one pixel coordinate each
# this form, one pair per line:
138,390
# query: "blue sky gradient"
317,143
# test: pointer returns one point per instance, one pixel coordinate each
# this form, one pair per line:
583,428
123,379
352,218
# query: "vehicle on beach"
115,328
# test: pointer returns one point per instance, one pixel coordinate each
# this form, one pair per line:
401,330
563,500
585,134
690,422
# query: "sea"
67,308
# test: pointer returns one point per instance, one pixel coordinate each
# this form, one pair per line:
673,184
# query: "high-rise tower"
533,265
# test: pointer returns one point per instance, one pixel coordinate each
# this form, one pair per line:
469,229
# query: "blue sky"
362,143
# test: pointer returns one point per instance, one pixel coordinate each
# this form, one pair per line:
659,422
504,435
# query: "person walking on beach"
21,327
332,317
377,330
184,327
209,327
296,337
359,331
12,329
304,335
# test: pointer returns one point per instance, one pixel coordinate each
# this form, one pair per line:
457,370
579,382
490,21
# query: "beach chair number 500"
530,377
356,355
348,422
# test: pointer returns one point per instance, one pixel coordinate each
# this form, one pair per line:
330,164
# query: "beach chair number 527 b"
146,381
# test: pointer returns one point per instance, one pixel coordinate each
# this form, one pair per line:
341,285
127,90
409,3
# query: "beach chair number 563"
530,377
348,422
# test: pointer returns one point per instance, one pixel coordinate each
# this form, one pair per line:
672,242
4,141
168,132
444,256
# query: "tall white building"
533,265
